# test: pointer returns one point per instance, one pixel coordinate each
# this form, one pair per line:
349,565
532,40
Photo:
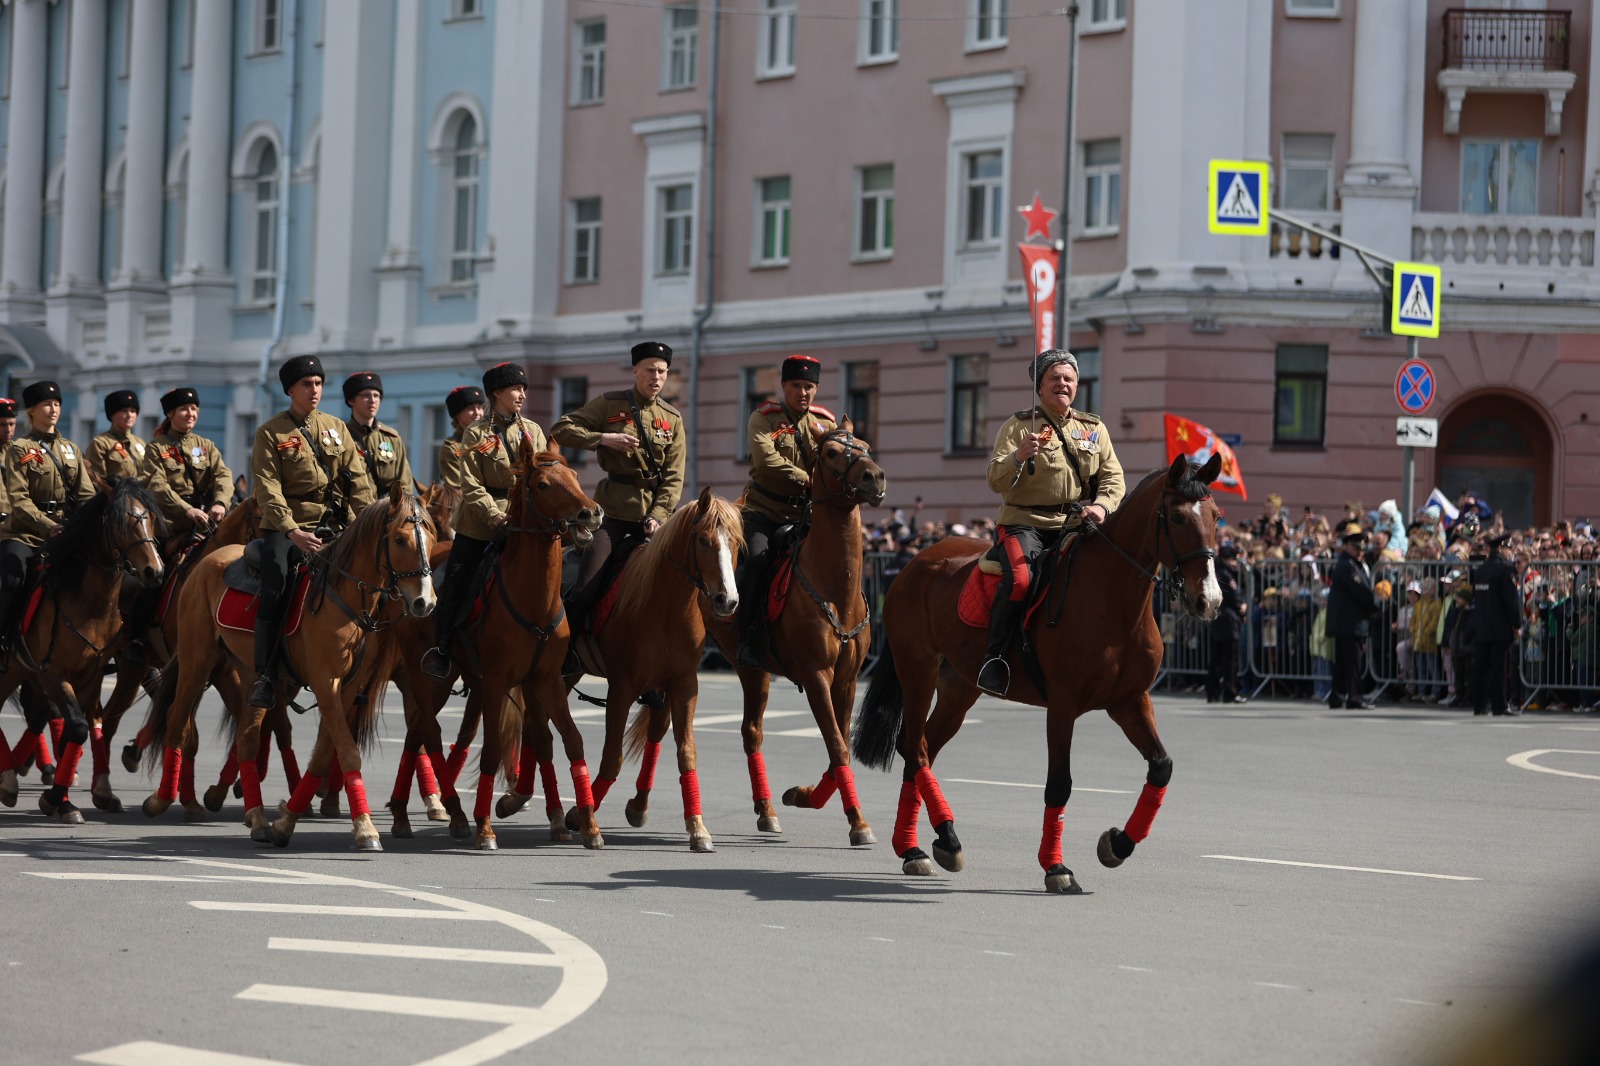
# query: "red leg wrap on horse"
846,779
759,789
480,809
171,766
457,760
601,788
304,793
552,788
250,785
905,819
1144,812
186,783
1050,842
928,788
41,747
690,783
823,792
230,769
291,767
580,784
527,770
427,784
5,754
647,767
68,764
336,777
356,790
100,752
402,777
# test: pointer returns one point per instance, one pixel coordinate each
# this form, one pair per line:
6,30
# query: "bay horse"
652,641
340,650
76,619
1106,653
822,637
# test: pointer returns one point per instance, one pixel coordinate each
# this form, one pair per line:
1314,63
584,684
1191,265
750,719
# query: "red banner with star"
1189,438
1039,276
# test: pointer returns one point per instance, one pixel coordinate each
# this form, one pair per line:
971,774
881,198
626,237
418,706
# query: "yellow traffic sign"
1414,300
1238,197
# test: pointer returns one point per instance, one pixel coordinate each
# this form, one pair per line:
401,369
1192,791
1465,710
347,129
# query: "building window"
760,385
875,212
985,187
1307,183
986,23
861,399
1301,388
880,31
264,267
676,229
1102,187
1500,177
571,394
464,201
969,403
268,26
1106,15
584,265
680,46
772,222
463,9
1088,398
1321,9
589,67
776,57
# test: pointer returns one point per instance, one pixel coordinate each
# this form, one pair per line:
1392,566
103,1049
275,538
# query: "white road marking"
415,951
1137,969
883,939
538,899
203,879
356,912
381,1003
1351,869
1030,784
1524,760
1420,1002
1007,954
774,927
1581,728
658,914
150,1053
1274,984
1509,725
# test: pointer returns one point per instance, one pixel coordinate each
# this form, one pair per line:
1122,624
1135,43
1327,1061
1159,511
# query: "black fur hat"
361,380
651,350
502,376
463,397
802,368
120,400
39,392
301,366
178,398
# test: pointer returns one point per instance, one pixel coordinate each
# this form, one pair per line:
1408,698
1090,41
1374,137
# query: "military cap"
651,350
8,407
1048,358
503,376
301,366
39,392
802,368
120,400
177,398
463,397
360,381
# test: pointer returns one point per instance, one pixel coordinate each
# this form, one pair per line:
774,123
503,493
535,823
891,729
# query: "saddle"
785,542
239,604
976,602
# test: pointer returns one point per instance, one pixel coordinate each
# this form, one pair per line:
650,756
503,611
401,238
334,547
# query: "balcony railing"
1291,242
1479,39
1503,240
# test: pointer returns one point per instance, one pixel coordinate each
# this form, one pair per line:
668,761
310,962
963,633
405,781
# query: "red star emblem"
1039,218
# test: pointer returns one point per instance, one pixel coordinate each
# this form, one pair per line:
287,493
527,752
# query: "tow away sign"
1416,432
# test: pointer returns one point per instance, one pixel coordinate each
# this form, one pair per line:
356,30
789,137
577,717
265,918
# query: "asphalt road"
134,941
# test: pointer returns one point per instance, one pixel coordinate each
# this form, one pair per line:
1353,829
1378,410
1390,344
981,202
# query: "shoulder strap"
650,464
1067,449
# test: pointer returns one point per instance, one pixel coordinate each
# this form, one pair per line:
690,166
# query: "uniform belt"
791,501
303,499
634,481
498,494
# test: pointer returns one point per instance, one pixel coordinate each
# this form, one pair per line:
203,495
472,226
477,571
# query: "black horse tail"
155,722
877,729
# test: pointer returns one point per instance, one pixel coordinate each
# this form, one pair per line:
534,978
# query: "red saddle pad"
608,600
778,592
977,598
237,610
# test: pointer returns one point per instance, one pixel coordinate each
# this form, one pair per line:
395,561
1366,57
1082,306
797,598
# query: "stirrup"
436,664
264,693
995,677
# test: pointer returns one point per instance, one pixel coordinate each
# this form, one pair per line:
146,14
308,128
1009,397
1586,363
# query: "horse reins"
1173,581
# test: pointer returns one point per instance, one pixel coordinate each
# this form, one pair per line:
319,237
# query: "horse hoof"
67,814
915,863
255,818
436,811
154,806
510,804
262,834
329,807
214,797
558,827
368,844
701,844
954,861
194,814
798,796
488,843
47,775
637,816
401,830
594,843
1059,879
130,756
460,830
1112,841
768,823
280,837
862,835
572,820
106,802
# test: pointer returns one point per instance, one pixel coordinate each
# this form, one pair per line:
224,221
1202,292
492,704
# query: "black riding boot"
995,676
436,660
752,604
264,693
8,623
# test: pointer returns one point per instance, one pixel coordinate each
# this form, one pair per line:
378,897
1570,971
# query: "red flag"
1039,275
1189,438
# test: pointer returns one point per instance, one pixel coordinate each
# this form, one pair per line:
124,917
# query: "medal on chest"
67,452
663,429
386,451
490,446
197,456
331,438
138,451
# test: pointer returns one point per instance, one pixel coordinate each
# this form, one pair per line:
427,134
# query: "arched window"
464,200
264,207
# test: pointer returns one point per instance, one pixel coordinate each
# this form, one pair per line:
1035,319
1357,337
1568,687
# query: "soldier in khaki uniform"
465,405
8,430
484,463
46,480
781,450
187,475
639,440
309,478
1045,459
380,445
118,452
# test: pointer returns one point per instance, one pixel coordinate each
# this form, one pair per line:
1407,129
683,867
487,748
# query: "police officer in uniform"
484,465
1352,605
1497,610
1045,460
640,443
380,445
8,430
309,478
187,475
118,452
465,405
781,452
46,480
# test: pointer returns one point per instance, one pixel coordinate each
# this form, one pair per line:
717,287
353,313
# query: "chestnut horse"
652,642
340,650
1105,654
821,639
112,534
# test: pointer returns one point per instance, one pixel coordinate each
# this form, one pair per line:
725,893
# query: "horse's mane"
679,528
369,523
1189,487
526,463
70,549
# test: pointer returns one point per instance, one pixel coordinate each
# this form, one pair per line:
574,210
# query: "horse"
1105,655
339,649
442,500
822,637
74,620
652,641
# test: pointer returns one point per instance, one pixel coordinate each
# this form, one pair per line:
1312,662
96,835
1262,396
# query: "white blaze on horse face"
725,568
1210,591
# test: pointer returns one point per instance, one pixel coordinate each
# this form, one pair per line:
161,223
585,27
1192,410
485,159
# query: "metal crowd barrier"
1409,649
1282,636
1560,644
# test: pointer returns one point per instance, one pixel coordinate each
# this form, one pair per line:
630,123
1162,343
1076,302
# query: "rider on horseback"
781,451
1052,477
187,475
118,452
639,440
465,404
309,480
484,465
380,445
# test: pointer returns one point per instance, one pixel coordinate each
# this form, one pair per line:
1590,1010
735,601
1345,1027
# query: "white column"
1589,194
144,196
1378,187
202,290
400,267
83,180
19,275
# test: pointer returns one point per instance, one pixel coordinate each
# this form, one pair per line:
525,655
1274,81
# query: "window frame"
459,11
665,219
1107,175
578,228
776,31
1501,182
988,24
868,395
976,393
582,54
262,14
1091,375
1111,22
783,211
1293,9
264,253
884,227
1287,163
887,12
1280,377
671,36
461,263
750,398
563,405
994,200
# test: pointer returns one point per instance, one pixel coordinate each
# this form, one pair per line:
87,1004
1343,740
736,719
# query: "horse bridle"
120,552
383,559
554,528
1174,574
425,571
854,451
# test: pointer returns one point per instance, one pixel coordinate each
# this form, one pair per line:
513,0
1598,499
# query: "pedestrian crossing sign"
1239,196
1414,300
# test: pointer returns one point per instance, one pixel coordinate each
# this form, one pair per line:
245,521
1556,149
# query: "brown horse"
81,568
653,641
1105,654
441,501
821,639
339,650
